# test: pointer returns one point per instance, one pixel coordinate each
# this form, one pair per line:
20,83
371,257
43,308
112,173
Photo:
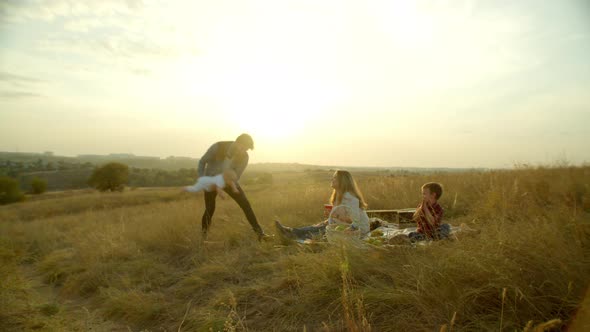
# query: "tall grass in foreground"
140,262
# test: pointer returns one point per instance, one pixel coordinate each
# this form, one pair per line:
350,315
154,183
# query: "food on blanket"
376,233
375,241
376,223
341,228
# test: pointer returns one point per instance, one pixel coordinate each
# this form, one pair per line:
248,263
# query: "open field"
77,261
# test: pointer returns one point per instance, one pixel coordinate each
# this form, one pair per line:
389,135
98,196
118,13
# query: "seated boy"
429,215
217,182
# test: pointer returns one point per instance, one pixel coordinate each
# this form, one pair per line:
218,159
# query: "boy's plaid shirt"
424,226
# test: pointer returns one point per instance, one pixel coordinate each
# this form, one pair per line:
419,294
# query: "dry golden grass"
135,259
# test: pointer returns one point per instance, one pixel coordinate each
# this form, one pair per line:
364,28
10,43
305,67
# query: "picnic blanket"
378,236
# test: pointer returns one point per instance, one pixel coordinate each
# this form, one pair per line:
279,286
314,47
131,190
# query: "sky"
333,82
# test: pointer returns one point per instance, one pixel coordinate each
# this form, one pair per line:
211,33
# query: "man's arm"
239,163
206,158
232,185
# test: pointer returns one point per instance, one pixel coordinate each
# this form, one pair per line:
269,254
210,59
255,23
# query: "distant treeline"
63,173
30,162
138,177
78,178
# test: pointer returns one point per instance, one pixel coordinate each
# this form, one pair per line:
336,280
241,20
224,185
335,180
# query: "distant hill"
296,167
61,172
174,163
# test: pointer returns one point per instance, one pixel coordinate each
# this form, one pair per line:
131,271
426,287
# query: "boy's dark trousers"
242,201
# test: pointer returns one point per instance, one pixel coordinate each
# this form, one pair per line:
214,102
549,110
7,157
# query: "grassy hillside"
134,260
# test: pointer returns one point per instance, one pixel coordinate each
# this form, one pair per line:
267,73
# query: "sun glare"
276,115
408,25
270,99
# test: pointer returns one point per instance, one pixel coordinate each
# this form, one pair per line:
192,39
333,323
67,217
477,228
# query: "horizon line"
132,155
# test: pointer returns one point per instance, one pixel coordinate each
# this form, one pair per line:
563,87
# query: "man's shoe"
265,237
284,231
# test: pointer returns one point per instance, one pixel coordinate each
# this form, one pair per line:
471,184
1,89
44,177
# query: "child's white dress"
207,183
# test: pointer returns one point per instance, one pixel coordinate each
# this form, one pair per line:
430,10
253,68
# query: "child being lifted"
216,182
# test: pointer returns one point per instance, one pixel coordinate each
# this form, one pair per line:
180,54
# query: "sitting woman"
349,208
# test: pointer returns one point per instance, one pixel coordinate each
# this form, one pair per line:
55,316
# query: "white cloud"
48,10
17,79
17,95
83,25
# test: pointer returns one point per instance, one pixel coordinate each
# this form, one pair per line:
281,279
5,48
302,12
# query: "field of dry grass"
134,260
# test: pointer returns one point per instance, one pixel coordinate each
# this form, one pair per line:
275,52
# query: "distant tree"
38,186
9,191
110,177
265,178
39,164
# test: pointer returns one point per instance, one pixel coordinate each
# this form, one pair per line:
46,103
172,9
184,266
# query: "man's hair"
246,140
434,187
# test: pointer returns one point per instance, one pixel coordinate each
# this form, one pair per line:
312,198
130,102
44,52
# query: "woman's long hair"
346,184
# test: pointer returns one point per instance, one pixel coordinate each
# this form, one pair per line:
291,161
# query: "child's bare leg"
221,193
195,188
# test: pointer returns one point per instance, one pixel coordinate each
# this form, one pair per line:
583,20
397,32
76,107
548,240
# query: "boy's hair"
434,187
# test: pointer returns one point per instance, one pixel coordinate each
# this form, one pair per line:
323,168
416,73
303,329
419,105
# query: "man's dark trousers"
242,201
